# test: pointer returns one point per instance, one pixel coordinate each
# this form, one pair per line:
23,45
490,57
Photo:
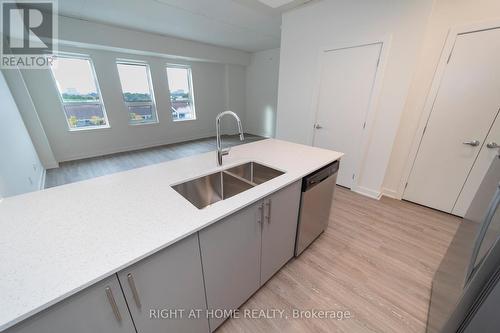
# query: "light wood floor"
375,260
73,171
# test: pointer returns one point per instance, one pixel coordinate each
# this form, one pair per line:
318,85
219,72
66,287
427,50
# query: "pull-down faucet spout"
221,152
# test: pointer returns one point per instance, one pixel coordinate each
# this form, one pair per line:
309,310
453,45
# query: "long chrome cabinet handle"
135,294
112,302
268,215
492,145
473,143
260,214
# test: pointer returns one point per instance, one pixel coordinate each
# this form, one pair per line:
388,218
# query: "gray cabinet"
171,290
241,252
170,281
281,211
100,308
230,251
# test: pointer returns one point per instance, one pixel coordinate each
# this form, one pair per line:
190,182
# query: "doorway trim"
448,46
385,42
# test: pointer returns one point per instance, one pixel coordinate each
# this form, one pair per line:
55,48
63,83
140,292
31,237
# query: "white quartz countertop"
56,242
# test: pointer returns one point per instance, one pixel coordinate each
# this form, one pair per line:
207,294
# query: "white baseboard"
41,182
137,147
390,193
367,192
51,165
260,133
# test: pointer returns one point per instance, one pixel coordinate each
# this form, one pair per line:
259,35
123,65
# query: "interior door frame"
385,42
448,46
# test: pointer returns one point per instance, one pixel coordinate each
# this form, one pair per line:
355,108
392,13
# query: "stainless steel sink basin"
206,190
254,172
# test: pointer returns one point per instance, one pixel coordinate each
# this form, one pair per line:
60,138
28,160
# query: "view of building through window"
181,93
137,92
79,92
82,102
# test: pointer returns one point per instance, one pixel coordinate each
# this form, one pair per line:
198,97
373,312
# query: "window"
137,92
79,91
180,84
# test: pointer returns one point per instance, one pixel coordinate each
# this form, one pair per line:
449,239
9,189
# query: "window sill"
88,128
182,120
146,123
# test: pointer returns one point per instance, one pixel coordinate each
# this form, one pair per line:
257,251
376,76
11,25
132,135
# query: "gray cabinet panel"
169,280
279,229
230,251
89,311
239,253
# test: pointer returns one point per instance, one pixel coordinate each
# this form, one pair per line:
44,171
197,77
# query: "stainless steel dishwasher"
315,204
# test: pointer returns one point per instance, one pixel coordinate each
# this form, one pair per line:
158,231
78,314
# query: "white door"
463,113
489,151
347,79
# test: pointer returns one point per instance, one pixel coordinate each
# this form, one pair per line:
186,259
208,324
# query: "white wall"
235,98
445,15
85,33
218,79
209,84
332,23
20,169
28,112
262,92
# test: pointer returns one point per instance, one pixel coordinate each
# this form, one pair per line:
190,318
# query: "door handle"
112,302
492,145
318,126
473,143
135,294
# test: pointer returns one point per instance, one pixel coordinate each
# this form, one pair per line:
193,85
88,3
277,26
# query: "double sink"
206,190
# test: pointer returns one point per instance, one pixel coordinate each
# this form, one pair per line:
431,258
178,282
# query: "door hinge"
364,125
406,185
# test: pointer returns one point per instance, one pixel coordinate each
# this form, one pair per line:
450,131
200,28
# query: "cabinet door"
279,228
89,311
170,280
230,251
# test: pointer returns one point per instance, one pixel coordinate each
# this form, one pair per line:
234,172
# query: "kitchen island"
60,241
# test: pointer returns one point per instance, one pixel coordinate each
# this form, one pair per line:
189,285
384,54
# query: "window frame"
156,119
191,90
88,58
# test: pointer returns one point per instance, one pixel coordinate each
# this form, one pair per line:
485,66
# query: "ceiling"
247,25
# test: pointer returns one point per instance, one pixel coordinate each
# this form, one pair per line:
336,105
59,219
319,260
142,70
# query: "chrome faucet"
221,152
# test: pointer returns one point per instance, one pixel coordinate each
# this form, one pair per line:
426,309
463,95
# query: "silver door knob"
492,145
318,126
473,143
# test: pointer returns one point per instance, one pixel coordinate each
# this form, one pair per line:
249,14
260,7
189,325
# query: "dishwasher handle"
318,176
